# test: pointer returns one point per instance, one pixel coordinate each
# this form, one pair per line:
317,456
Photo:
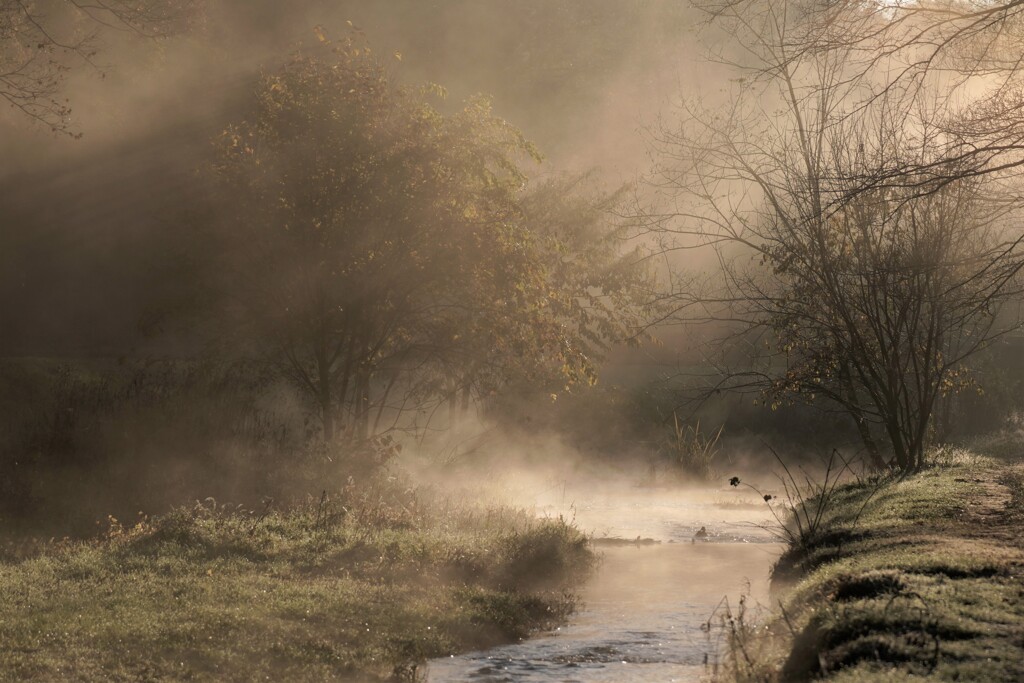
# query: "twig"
263,515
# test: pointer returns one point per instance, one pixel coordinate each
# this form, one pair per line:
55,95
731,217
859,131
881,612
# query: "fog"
147,112
106,255
590,259
109,263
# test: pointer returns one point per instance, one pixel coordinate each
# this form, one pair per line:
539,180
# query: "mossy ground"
914,578
316,593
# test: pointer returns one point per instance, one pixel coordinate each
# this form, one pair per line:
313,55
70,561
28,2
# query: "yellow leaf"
398,56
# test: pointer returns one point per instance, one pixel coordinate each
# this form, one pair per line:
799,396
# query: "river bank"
914,578
361,592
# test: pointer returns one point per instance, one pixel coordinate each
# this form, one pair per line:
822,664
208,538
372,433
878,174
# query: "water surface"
644,615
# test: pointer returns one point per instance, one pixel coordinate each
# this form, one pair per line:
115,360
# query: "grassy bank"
916,578
320,592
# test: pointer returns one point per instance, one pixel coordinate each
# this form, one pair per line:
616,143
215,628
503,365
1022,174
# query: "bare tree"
964,56
841,285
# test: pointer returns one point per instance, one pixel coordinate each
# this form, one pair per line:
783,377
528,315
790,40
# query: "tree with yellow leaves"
382,254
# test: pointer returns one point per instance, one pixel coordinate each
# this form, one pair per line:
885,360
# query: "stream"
644,614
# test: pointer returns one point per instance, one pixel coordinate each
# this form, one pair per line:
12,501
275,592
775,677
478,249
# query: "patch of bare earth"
996,514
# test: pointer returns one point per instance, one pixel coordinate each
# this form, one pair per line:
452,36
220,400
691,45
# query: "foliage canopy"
384,254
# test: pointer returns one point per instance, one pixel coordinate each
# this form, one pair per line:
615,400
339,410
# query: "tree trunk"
324,397
362,412
853,407
327,418
453,415
943,423
870,445
904,460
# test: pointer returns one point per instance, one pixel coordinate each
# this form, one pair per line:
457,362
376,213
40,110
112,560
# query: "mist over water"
350,296
652,610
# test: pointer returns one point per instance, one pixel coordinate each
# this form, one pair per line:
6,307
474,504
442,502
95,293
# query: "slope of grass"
915,578
317,593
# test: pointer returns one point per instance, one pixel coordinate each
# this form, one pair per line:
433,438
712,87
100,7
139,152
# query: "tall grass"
351,585
804,513
691,450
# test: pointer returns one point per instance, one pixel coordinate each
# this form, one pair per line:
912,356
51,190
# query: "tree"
574,291
871,297
382,254
888,301
41,41
964,56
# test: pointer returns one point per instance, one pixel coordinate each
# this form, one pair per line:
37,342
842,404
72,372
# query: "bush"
96,438
691,450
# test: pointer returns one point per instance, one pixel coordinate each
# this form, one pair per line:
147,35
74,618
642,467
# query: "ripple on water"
596,663
642,613
641,619
720,532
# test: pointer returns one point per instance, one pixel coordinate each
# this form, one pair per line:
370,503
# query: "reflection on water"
642,613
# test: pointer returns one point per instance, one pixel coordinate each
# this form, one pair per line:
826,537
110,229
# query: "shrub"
692,450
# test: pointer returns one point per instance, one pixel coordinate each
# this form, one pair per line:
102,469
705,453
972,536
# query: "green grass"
315,593
915,578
